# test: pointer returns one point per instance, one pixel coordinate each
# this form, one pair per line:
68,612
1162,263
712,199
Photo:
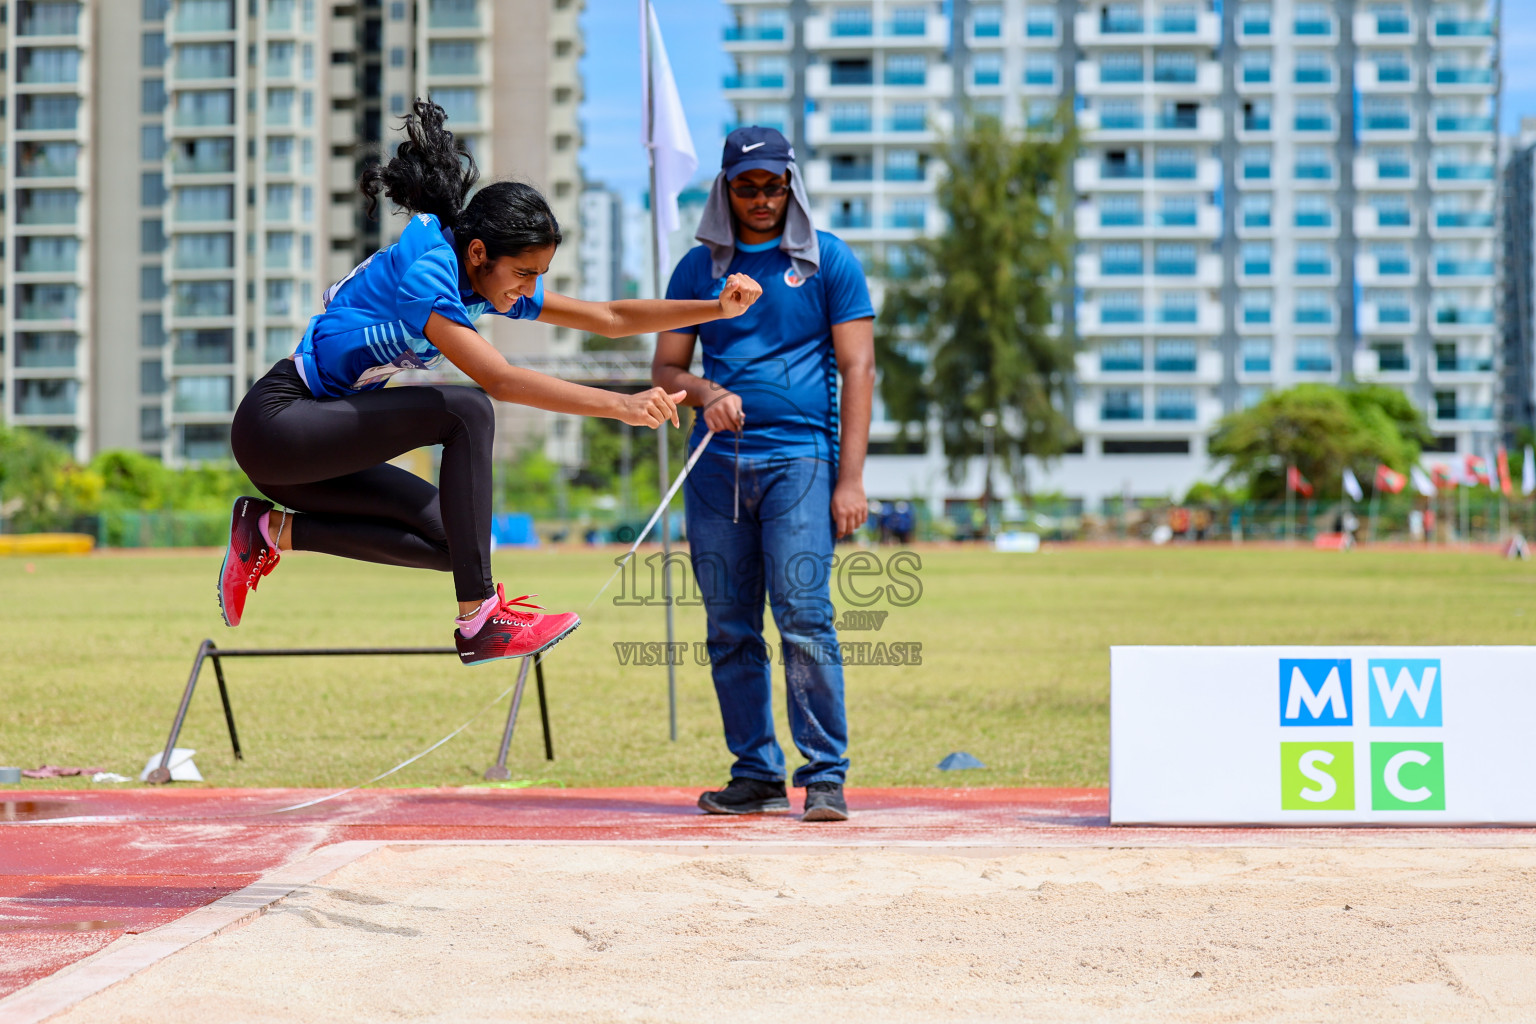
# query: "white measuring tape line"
126,819
665,501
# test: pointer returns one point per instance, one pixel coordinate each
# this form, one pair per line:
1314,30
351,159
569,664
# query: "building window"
151,423
151,189
151,283
151,237
46,350
152,143
1314,355
151,377
151,330
152,96
152,50
1257,355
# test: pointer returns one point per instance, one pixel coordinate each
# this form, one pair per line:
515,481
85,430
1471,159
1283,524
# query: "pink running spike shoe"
504,629
248,558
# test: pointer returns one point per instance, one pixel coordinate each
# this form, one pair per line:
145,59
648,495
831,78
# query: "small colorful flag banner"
1389,480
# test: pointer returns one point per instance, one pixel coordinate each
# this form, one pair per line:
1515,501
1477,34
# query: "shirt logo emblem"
793,279
748,149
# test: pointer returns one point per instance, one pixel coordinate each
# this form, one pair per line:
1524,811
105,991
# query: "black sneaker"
746,796
824,802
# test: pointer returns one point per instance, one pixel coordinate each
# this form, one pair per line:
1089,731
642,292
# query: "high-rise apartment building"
180,182
602,244
1517,326
1267,193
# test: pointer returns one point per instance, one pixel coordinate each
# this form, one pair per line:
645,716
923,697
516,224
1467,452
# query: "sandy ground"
555,934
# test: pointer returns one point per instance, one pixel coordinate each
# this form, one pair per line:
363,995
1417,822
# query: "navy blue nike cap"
755,148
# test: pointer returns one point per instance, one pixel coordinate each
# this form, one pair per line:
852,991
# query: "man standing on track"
767,500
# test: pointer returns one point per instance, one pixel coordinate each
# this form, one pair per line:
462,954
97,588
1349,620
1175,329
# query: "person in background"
770,496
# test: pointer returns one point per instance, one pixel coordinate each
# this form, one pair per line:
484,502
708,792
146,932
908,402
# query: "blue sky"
611,150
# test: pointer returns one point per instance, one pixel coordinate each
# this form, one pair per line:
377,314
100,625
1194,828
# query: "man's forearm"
855,408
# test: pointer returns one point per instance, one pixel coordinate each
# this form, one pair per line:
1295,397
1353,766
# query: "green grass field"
94,653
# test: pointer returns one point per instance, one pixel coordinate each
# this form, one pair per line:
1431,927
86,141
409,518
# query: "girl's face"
503,281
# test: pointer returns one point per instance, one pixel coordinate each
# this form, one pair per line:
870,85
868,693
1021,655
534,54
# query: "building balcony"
1371,77
1452,272
1093,29
1373,270
1459,32
823,176
1316,126
1146,417
1449,175
1385,29
1473,81
1203,125
745,84
1449,126
1092,80
1315,31
1374,318
1369,221
1092,174
936,83
1461,224
1371,173
1097,368
1387,127
757,38
1462,417
1462,316
1464,370
1093,222
1371,367
831,34
823,129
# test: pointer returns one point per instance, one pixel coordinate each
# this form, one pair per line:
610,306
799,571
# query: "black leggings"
326,458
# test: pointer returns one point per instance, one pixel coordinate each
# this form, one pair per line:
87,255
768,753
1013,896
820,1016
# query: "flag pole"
1375,501
1290,505
665,472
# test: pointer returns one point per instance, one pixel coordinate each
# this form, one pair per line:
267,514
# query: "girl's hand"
650,408
739,293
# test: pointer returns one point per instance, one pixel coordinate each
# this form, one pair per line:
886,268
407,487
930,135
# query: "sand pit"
583,933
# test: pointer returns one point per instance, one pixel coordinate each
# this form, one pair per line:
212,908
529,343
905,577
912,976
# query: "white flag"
1352,486
1421,482
1528,471
666,136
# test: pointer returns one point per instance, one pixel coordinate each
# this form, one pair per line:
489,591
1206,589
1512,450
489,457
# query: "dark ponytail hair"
432,172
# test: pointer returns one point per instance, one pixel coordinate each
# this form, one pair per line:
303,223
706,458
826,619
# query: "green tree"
1320,429
966,327
40,485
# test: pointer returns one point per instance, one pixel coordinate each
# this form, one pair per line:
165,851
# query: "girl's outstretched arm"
624,317
478,358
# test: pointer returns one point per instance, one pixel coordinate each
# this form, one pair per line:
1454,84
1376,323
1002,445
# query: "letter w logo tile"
1405,691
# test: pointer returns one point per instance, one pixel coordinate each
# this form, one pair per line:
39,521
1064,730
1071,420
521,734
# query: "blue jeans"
781,544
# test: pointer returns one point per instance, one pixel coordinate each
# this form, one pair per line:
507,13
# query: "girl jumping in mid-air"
315,434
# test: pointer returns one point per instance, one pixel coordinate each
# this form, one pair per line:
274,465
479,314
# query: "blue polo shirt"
778,355
375,318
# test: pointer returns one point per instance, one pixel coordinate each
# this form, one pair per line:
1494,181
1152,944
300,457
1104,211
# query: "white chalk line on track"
99,819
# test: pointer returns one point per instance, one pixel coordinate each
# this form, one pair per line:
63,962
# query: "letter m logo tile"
1315,691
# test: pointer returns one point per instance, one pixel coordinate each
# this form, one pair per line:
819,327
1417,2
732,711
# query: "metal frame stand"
208,650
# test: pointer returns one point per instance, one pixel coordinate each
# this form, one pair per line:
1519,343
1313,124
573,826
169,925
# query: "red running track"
68,889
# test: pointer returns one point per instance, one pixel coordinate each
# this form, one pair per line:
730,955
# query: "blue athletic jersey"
778,355
375,318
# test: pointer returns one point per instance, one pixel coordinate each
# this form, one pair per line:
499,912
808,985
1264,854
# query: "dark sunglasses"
753,191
